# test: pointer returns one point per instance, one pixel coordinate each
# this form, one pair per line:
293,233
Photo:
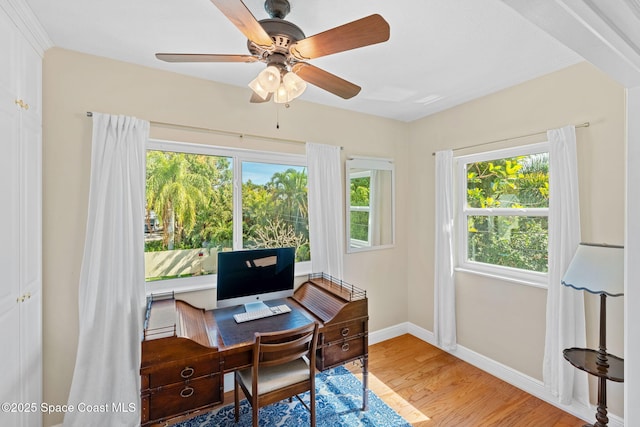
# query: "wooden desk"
187,350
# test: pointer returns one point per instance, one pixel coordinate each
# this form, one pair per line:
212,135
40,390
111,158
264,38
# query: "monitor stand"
253,306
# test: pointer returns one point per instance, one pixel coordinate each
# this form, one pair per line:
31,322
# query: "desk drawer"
238,360
185,397
339,353
181,371
343,331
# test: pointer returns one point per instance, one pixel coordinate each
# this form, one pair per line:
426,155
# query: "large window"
503,213
201,200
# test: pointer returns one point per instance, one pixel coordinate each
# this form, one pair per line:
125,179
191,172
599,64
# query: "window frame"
237,155
462,212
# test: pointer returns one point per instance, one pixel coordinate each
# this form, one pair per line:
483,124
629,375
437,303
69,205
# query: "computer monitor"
251,276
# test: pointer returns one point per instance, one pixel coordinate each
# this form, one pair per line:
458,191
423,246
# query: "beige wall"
75,83
502,320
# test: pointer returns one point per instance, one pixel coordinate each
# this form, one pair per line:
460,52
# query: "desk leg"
365,383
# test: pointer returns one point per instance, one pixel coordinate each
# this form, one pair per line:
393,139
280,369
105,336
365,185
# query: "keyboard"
262,313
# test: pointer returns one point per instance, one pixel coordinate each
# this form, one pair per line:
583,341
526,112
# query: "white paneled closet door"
20,228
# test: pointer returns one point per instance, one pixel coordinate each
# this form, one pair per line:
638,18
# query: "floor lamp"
598,269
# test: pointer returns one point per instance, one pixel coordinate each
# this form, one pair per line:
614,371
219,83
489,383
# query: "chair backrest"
275,348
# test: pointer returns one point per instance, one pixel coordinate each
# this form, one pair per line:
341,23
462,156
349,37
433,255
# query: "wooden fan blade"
325,80
241,17
363,32
204,57
257,99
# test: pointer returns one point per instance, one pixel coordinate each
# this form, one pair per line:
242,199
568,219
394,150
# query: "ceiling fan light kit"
285,49
285,85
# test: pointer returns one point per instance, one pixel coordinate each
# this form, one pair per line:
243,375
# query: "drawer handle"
187,372
345,332
187,392
345,346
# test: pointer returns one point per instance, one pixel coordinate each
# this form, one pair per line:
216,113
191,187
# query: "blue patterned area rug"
338,403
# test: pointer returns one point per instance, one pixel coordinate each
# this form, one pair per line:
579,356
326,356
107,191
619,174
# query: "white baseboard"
390,332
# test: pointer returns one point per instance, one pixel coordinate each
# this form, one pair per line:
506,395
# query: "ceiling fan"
285,49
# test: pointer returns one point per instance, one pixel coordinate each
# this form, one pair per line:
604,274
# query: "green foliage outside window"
276,214
502,239
191,197
359,224
190,205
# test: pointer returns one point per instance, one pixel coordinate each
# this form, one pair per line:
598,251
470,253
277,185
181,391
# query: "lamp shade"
258,89
598,269
281,95
269,78
294,85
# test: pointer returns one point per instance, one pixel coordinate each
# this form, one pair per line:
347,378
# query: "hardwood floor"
429,388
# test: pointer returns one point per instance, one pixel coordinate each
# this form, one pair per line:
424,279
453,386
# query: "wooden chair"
283,366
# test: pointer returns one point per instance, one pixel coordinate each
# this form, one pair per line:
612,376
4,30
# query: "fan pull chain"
278,106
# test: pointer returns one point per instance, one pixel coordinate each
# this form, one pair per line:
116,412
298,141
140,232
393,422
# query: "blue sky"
261,173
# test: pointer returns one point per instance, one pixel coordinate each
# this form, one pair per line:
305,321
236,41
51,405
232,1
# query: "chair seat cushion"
275,377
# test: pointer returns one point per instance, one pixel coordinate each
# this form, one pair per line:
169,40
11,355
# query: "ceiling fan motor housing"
283,33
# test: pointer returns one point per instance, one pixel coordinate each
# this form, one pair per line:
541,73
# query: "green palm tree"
290,192
174,193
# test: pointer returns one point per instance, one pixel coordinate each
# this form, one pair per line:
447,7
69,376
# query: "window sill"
203,283
504,278
187,284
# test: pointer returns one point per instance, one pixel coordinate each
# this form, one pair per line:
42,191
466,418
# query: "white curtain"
565,306
111,288
326,231
444,287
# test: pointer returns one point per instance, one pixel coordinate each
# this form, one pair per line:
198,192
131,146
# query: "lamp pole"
602,363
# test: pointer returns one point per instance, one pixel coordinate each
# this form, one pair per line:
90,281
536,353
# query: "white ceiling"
449,50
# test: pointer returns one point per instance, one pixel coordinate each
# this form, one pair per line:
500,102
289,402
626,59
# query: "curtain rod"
218,131
581,125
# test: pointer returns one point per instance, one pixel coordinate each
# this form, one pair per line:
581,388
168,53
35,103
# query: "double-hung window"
503,213
201,200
